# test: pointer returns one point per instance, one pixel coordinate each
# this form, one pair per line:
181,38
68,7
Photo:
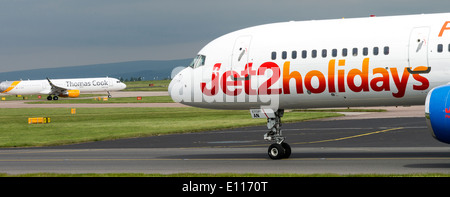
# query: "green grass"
94,124
340,110
35,97
158,85
145,99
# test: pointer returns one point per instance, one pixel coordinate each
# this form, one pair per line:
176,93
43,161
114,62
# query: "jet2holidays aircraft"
373,61
61,87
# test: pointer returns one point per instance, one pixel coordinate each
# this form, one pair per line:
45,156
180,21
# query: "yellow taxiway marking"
350,137
44,151
228,159
313,142
212,159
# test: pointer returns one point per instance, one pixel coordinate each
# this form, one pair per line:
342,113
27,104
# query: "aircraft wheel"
55,98
49,98
276,151
287,150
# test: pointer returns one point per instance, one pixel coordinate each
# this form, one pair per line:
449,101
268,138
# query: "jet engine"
437,112
70,93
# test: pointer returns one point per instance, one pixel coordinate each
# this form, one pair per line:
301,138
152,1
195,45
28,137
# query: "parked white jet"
373,61
61,87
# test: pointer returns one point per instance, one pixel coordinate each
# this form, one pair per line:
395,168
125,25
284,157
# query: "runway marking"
350,137
228,159
313,142
372,158
209,159
112,159
44,151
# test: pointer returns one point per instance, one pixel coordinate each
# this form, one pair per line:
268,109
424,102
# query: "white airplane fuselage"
328,63
373,61
29,87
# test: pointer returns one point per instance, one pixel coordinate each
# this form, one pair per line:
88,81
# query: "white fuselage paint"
304,65
43,86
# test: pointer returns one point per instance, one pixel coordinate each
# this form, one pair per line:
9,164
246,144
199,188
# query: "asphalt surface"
382,132
354,144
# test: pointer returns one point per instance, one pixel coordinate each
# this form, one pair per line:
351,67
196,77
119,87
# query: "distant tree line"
122,79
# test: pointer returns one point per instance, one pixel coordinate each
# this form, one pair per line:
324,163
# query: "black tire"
49,98
276,151
287,150
55,98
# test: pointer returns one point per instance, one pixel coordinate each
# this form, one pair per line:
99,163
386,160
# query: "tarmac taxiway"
392,142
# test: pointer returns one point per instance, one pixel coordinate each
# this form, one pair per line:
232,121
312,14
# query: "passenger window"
305,54
365,51
324,53
284,55
274,55
355,51
440,48
294,54
344,52
386,50
334,52
314,53
375,50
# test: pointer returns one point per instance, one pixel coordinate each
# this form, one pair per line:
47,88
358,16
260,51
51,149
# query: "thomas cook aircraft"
371,61
61,87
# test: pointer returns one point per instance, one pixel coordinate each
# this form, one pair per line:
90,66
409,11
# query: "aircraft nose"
2,87
178,88
174,88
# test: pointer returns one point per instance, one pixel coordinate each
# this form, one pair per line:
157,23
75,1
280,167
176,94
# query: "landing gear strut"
279,149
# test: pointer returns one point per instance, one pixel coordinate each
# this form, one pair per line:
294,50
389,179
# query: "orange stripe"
12,86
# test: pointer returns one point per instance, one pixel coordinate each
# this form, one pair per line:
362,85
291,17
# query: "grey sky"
54,33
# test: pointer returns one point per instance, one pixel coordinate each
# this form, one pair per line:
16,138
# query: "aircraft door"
111,83
418,50
45,85
240,54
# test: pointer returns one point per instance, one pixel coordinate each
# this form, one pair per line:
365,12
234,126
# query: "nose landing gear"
279,149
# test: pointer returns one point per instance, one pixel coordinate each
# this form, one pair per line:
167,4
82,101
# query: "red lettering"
341,76
444,27
288,76
314,81
425,83
400,84
265,87
322,84
233,83
248,72
364,74
331,86
214,82
383,79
